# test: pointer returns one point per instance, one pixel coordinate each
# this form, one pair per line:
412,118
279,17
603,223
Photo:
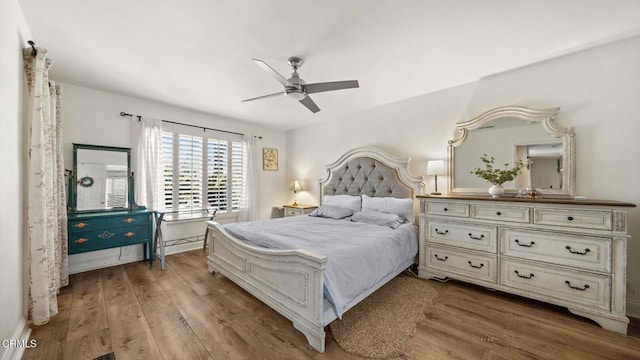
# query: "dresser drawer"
568,287
586,219
107,238
448,209
592,253
124,220
86,224
470,236
477,266
501,213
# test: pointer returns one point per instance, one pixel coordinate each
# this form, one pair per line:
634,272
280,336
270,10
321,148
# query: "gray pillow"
332,212
379,218
344,201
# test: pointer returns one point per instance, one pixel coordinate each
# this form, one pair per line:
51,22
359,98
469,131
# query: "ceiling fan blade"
281,93
330,86
310,104
281,79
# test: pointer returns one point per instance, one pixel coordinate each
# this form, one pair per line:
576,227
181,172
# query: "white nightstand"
297,210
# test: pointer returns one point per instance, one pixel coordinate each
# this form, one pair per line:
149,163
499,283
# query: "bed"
293,282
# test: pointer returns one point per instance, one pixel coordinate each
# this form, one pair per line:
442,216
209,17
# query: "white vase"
496,190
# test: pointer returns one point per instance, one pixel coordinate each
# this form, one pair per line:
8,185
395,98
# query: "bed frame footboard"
289,281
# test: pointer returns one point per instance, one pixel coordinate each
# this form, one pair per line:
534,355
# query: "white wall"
14,34
93,117
597,89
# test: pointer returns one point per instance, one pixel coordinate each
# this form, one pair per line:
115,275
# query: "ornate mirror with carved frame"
513,133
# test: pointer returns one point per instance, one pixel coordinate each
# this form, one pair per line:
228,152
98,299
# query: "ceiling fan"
296,89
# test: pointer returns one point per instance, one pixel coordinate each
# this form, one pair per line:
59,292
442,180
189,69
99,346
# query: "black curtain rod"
122,113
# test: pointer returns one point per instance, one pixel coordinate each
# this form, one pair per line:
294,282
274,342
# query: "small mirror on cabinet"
101,178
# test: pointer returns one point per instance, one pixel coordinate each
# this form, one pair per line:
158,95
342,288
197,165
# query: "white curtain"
47,258
249,203
148,163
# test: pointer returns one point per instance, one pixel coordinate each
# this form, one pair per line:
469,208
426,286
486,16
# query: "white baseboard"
633,308
22,335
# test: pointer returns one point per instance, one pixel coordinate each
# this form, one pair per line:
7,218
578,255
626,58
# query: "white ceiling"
197,53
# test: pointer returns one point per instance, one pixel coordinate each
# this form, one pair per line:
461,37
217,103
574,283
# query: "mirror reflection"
512,134
101,179
510,140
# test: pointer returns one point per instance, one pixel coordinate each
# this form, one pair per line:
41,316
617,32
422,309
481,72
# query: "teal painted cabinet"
105,230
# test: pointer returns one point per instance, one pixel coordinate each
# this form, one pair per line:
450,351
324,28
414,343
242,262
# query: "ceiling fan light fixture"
296,95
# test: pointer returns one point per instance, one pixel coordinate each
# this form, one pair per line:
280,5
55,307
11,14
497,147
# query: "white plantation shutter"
190,180
203,171
217,174
167,161
238,174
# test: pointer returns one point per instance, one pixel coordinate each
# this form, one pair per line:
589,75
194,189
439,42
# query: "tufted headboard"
373,172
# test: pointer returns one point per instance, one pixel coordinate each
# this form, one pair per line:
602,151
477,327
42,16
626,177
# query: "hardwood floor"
187,313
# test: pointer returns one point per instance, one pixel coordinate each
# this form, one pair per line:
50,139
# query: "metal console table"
159,243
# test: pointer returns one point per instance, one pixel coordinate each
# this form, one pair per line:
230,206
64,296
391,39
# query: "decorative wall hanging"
270,159
86,181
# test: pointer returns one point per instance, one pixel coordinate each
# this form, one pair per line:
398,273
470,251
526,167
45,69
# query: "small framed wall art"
270,159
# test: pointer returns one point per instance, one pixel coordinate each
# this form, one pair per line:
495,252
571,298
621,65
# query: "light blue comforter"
359,255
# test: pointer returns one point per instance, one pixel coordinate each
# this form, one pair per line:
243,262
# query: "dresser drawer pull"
445,209
525,245
129,234
587,250
474,266
498,213
441,259
129,220
524,276
106,234
570,218
475,237
80,225
586,286
442,232
81,240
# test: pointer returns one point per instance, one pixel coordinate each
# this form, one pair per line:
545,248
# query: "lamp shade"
295,186
435,167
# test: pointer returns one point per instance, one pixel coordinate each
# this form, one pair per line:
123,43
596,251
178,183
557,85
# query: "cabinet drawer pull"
129,220
80,240
129,234
442,232
524,276
570,218
498,213
524,245
475,237
587,250
445,209
80,225
474,266
441,259
106,234
586,286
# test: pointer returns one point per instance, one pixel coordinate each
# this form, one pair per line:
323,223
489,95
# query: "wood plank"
204,319
88,313
258,324
52,337
175,338
88,346
131,337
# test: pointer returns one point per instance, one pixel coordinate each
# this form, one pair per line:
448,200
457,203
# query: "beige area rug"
378,326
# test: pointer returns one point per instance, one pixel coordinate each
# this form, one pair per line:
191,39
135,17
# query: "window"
202,171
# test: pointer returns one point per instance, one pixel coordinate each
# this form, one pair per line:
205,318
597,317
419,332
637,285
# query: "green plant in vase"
497,176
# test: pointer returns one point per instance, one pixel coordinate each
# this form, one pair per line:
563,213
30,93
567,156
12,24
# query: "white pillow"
344,201
332,212
379,218
389,205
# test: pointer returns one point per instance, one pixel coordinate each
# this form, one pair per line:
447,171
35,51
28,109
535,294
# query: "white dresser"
566,252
